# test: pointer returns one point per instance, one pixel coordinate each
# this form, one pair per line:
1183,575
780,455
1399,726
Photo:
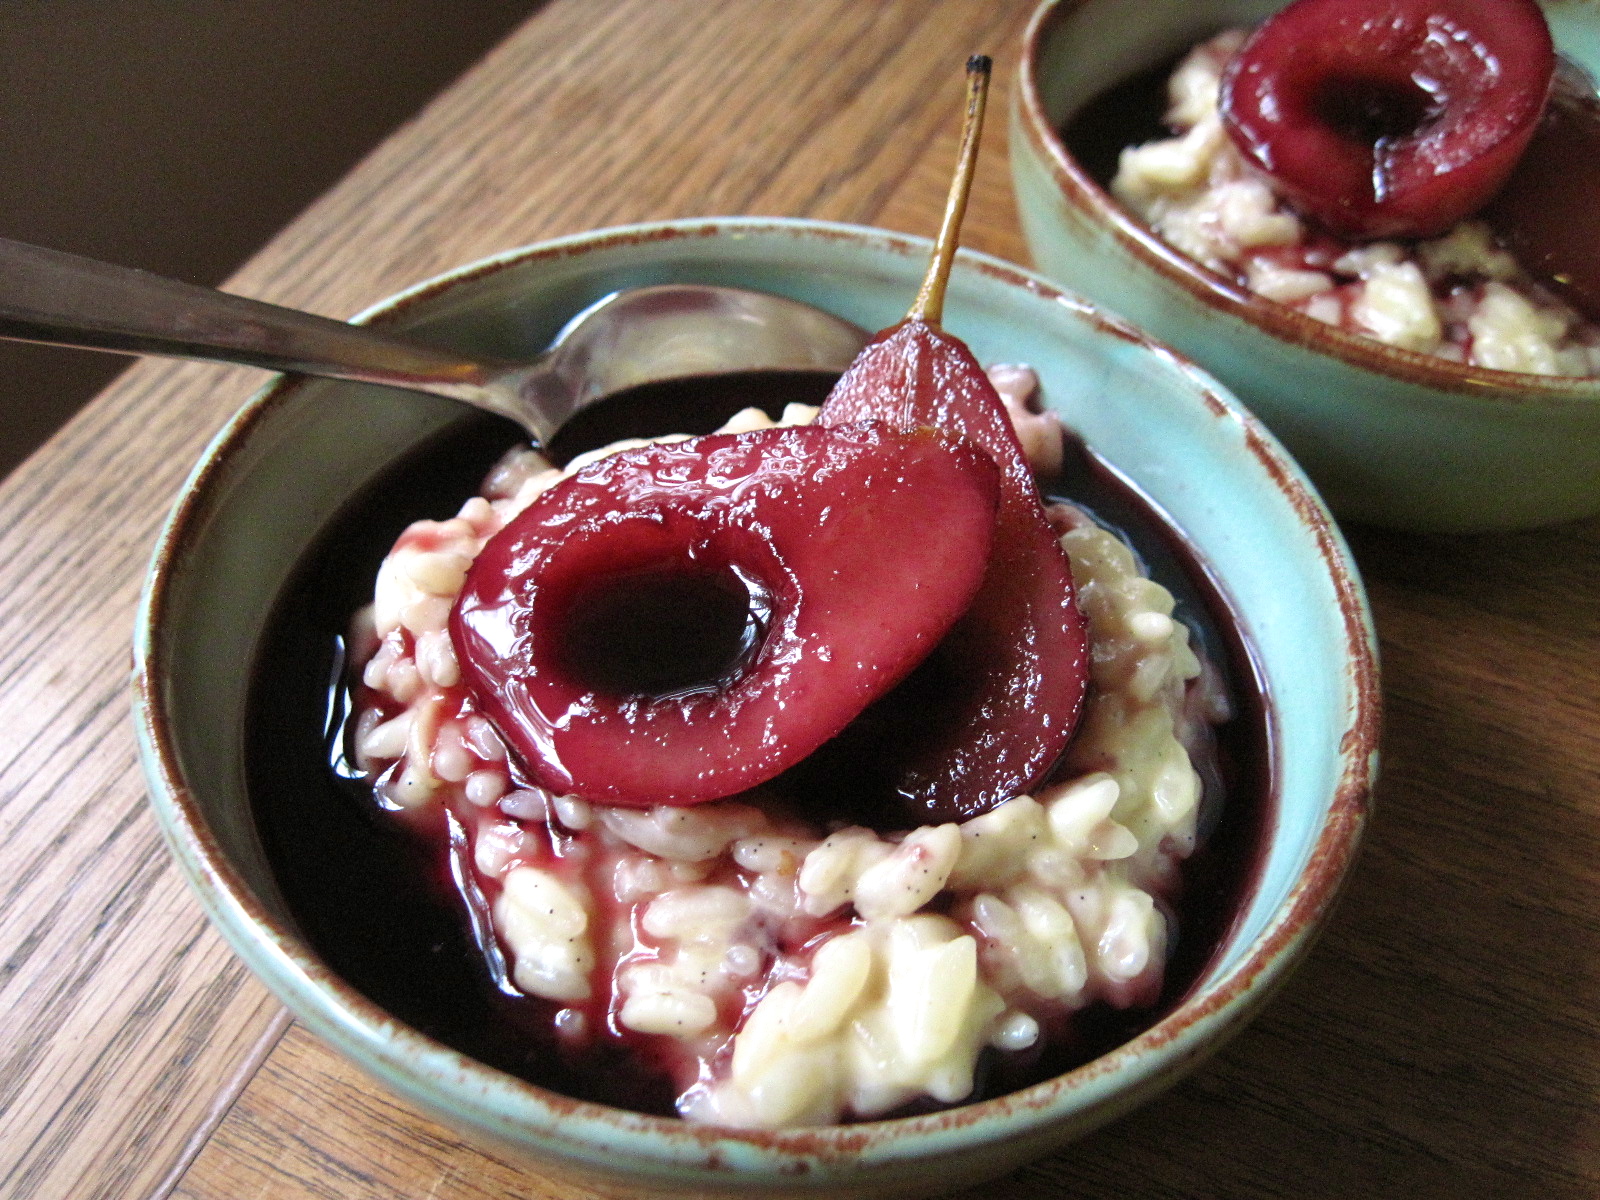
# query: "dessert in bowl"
234,561
1425,378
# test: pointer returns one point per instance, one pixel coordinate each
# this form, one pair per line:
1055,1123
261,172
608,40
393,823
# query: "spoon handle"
64,300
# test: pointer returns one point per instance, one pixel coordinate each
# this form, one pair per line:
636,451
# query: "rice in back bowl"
1459,296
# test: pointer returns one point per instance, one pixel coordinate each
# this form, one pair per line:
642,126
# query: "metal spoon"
630,337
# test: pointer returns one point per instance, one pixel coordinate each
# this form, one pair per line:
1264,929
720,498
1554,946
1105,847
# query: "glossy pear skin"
1003,691
1389,118
837,557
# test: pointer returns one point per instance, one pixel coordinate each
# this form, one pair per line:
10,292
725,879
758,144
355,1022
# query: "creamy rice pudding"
776,968
1460,296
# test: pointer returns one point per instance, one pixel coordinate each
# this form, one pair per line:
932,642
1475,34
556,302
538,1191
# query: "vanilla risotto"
1459,296
783,973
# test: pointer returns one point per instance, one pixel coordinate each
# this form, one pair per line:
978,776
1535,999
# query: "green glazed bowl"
300,448
1390,436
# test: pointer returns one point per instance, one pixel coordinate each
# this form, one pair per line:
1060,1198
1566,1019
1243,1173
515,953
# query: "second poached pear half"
998,701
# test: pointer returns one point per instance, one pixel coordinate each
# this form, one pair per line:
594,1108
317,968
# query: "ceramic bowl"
300,448
1390,436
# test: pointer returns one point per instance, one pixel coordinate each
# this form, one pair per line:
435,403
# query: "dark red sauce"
1126,114
658,632
379,903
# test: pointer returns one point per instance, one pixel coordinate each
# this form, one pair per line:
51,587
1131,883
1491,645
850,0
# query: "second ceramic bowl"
1389,435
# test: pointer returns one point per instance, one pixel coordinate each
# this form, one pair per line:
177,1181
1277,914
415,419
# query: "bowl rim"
1222,294
666,1149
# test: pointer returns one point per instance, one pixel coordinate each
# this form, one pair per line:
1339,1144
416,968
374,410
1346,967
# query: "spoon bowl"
673,331
629,337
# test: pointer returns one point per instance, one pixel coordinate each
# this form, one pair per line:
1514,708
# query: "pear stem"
929,305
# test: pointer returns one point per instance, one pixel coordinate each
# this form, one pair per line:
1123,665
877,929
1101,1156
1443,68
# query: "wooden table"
1440,1042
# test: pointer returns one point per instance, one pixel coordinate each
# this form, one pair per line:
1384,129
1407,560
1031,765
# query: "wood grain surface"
1441,1041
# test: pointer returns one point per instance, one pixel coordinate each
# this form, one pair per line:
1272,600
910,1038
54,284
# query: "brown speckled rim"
1222,294
663,1153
